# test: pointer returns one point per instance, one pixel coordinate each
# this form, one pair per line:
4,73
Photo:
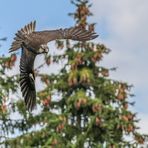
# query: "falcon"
33,43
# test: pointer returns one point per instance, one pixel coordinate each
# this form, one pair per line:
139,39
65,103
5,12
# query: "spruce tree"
8,85
80,106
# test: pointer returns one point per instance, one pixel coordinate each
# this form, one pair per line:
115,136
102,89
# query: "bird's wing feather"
73,33
34,39
27,78
23,35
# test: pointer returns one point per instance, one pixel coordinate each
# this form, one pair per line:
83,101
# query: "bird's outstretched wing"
23,35
73,33
34,39
27,78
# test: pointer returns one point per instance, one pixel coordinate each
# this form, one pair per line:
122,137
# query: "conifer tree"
8,85
80,106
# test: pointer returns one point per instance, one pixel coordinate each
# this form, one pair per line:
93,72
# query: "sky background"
121,24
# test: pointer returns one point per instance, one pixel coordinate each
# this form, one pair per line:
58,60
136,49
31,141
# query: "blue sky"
15,14
122,26
125,24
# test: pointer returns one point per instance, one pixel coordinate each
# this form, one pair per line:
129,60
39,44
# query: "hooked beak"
46,50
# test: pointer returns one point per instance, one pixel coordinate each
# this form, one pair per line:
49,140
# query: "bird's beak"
46,50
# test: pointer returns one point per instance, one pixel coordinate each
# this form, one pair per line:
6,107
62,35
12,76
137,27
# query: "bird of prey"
33,43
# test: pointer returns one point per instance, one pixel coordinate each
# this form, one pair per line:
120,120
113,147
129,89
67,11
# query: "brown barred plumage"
35,42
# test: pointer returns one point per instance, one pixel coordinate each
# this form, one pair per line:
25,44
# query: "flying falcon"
33,43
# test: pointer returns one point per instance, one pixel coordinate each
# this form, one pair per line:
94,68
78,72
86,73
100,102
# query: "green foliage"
79,107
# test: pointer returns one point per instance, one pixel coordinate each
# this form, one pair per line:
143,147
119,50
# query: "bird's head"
43,49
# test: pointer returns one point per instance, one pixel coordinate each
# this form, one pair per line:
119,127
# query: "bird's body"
35,42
